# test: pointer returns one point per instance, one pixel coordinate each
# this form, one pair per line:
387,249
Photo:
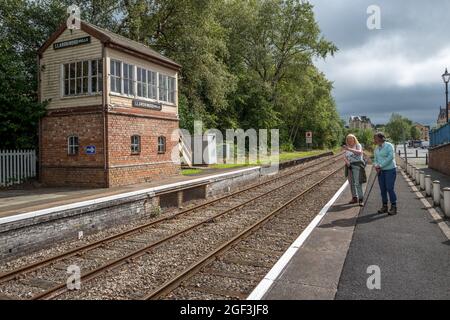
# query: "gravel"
152,269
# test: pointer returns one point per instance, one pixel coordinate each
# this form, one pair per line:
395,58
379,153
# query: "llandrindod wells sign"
71,43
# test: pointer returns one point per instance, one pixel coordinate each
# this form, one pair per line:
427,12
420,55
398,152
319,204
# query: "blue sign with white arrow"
90,150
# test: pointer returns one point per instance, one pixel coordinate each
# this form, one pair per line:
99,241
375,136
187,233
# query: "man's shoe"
361,202
354,201
393,211
383,210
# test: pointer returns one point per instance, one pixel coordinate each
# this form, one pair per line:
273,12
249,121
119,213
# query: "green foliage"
398,128
246,64
415,133
365,137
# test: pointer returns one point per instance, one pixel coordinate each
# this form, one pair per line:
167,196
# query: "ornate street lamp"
446,78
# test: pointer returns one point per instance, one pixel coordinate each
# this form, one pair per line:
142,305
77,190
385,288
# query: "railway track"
205,265
38,280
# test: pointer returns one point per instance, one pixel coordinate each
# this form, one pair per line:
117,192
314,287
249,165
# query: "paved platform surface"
435,175
410,249
412,252
13,202
314,271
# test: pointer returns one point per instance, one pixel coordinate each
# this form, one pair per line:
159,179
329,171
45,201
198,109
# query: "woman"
387,173
354,160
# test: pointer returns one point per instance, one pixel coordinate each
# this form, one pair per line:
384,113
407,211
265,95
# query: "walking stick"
371,187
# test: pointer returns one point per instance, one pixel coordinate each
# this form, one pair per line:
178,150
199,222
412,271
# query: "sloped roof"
117,42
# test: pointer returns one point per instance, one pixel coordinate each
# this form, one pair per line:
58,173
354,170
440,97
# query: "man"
387,173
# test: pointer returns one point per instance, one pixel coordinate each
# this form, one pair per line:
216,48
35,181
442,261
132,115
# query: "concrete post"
422,180
428,185
446,208
417,177
180,196
413,173
437,193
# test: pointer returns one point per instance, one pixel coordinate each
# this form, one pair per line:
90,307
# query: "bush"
287,147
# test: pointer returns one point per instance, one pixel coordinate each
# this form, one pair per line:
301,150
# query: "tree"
245,64
398,128
415,133
365,137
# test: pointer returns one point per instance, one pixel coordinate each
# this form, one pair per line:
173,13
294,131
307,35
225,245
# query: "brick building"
360,122
424,131
112,109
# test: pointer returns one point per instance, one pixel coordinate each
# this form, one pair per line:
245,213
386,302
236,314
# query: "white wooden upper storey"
77,65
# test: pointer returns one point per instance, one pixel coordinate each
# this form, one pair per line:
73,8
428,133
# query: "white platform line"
75,205
262,288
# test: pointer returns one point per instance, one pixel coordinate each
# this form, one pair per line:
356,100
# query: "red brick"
113,165
440,159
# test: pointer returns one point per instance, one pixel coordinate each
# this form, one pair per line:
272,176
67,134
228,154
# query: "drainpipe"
105,118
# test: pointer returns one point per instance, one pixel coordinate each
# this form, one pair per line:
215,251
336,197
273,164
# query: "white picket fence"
16,166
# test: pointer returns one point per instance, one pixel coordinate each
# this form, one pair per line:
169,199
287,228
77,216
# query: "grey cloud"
424,26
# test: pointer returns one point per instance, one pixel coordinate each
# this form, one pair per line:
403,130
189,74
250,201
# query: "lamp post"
446,78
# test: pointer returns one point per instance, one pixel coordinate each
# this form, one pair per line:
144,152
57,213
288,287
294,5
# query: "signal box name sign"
71,43
147,105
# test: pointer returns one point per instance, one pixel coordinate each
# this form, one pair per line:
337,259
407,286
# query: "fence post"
428,185
422,180
437,193
446,208
417,177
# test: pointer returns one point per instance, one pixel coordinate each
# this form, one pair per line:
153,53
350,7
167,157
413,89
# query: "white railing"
440,197
16,166
185,150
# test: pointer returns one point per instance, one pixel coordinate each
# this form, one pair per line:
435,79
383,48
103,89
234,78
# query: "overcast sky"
395,69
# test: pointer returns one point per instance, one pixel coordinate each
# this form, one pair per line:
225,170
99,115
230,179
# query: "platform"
16,202
411,250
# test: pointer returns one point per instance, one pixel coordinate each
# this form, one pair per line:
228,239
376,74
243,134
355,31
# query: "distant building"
424,131
360,122
442,119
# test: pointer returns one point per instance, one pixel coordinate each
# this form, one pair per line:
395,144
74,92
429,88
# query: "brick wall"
82,170
124,168
440,159
149,165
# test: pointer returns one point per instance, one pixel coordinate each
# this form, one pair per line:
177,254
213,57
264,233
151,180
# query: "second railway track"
217,220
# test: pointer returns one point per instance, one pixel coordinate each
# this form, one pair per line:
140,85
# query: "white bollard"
437,193
428,185
446,208
417,177
422,180
413,174
409,170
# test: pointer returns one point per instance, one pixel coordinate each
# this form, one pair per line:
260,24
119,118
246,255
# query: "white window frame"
115,77
163,144
73,149
130,81
137,84
83,78
136,144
